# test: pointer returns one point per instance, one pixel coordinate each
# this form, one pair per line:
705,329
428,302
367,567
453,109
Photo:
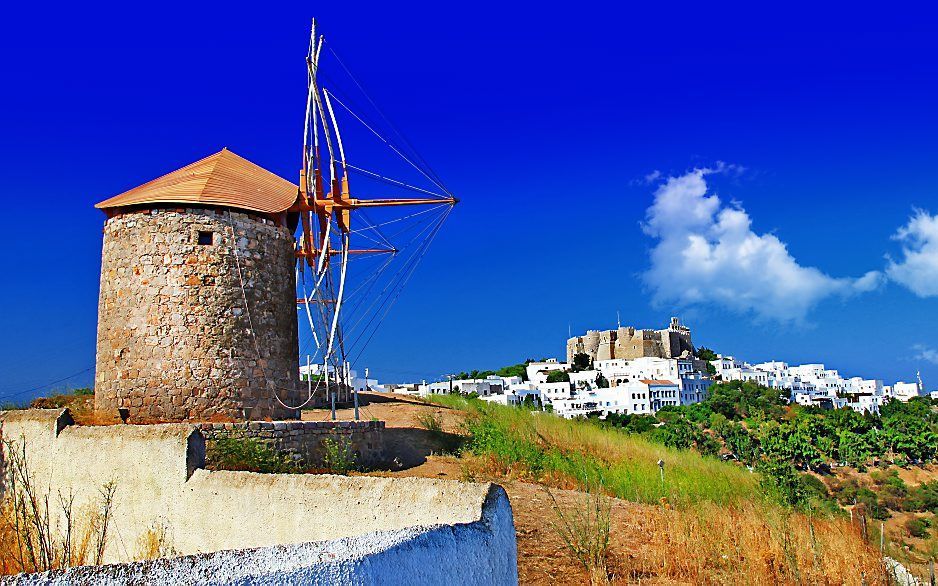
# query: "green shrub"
917,527
870,500
814,486
337,455
923,497
846,492
558,376
248,454
782,483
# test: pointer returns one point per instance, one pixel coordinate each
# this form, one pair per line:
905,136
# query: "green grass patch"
540,446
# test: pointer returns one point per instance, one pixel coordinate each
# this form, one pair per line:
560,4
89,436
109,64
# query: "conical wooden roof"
223,179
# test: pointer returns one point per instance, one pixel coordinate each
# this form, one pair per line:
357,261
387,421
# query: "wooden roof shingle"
223,179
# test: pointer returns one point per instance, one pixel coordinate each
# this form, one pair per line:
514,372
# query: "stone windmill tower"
197,310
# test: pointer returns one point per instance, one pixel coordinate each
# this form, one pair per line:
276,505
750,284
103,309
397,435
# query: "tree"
601,382
910,429
741,443
707,354
676,433
519,370
558,376
743,399
582,361
856,449
632,423
781,481
789,442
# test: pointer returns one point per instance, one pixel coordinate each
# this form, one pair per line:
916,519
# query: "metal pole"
309,377
356,394
882,538
332,394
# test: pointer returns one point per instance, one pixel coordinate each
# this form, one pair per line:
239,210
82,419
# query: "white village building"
638,386
358,383
817,385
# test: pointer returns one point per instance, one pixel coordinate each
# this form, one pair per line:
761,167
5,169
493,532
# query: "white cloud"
707,254
918,269
926,354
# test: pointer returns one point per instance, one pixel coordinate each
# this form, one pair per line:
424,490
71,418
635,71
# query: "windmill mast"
325,217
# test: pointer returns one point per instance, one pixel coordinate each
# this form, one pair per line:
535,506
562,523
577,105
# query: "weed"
58,400
155,544
249,454
432,422
584,529
30,538
539,447
337,455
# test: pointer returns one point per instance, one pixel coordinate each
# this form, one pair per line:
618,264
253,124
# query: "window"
206,238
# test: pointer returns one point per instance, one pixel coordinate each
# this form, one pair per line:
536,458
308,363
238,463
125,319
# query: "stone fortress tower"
197,310
628,343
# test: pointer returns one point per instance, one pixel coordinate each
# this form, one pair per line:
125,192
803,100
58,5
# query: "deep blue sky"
543,121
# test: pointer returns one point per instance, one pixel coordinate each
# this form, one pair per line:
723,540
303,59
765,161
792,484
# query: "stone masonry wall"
303,439
629,343
174,332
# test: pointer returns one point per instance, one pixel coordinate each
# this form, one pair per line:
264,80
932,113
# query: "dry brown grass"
584,529
154,544
39,531
659,544
767,545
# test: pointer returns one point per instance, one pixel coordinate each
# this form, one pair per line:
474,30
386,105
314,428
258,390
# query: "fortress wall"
160,484
629,343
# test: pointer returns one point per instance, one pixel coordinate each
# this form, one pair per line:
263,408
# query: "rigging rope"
387,142
418,256
247,311
393,128
391,283
396,182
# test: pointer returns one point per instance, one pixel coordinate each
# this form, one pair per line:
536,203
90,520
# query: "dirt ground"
542,556
395,410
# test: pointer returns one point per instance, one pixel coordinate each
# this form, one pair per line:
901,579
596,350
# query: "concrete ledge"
477,553
258,528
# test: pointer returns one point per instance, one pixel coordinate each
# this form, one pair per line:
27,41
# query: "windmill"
334,226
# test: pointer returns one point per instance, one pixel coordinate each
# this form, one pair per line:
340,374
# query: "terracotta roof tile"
223,179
